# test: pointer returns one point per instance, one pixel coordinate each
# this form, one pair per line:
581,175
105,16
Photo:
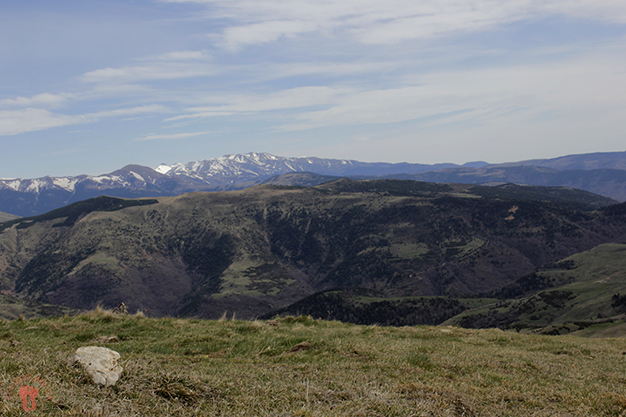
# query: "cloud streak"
14,122
574,88
169,66
171,136
290,99
40,100
376,22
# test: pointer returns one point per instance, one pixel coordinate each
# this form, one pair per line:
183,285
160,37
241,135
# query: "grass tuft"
101,314
224,317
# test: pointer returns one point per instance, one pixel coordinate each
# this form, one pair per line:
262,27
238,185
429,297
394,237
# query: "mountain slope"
588,161
300,179
6,217
12,308
607,182
585,290
32,197
259,249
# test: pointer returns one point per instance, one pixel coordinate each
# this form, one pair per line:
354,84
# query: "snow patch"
114,178
14,184
163,169
139,177
35,186
65,183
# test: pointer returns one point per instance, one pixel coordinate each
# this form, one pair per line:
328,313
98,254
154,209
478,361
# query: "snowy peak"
251,166
163,169
38,185
137,175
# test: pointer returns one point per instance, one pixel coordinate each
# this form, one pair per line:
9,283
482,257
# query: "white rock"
101,364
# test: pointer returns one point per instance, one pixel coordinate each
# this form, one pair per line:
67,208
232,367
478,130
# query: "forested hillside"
263,248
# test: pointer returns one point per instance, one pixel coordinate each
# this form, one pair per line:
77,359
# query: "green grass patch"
299,366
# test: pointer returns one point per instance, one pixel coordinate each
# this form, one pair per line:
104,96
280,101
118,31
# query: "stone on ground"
101,364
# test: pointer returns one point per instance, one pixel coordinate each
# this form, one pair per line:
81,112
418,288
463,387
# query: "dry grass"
304,367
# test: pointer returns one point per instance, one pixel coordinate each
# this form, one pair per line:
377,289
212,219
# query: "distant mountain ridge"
258,166
606,182
28,197
588,161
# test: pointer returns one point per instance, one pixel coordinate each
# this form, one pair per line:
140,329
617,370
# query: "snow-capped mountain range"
264,165
601,173
27,197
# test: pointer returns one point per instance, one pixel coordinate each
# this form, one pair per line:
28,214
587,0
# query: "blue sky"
89,86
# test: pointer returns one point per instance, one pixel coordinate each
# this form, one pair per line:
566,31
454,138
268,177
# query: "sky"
89,86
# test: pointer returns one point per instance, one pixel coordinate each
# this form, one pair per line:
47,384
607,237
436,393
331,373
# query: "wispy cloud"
377,22
295,98
179,56
168,66
13,122
263,32
323,72
148,109
580,87
40,100
171,136
570,89
165,71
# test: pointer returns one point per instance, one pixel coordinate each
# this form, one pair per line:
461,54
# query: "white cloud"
386,22
331,71
586,87
326,69
171,136
130,111
607,10
294,98
99,91
40,100
33,119
168,66
161,71
179,56
257,33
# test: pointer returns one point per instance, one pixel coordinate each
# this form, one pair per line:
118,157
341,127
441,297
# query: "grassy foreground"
305,367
